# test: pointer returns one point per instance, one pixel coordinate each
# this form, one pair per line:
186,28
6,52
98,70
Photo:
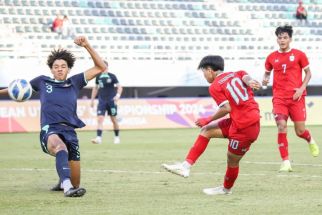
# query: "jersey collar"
286,51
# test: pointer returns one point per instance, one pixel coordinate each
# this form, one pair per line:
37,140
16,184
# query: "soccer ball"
20,90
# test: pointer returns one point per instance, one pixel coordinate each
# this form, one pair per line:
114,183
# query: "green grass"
127,178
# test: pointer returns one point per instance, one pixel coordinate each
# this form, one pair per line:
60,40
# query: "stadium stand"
162,30
152,28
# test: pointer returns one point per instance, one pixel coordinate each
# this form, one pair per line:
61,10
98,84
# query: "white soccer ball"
20,90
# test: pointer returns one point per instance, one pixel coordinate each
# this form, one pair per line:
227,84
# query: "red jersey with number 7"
287,68
229,87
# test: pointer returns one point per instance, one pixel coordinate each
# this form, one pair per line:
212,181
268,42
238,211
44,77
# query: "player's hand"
81,41
203,121
254,84
116,100
117,97
265,81
298,94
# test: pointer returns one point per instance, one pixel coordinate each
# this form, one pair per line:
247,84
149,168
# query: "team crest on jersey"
276,60
292,58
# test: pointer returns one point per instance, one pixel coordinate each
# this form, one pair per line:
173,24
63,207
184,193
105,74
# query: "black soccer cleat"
75,192
57,187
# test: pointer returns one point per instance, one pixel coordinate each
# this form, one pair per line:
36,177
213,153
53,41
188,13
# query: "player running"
289,91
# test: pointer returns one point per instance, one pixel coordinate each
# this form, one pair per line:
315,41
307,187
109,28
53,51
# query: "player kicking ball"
232,91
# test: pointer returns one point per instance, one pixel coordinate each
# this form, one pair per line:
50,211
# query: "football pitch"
127,178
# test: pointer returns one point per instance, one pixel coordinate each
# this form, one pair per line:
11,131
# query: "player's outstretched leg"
181,169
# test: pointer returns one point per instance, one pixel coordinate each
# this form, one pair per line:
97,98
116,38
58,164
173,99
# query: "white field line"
293,174
224,162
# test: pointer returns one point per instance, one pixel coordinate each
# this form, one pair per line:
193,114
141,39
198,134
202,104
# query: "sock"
186,164
197,149
116,133
287,162
67,185
99,133
283,145
230,177
62,166
306,135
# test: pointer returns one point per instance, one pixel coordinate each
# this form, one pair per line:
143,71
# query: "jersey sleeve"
241,74
304,62
79,80
35,83
268,65
218,95
115,80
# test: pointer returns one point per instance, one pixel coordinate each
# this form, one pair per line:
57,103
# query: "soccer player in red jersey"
232,91
289,91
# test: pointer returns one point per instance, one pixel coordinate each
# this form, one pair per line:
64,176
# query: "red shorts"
288,107
239,139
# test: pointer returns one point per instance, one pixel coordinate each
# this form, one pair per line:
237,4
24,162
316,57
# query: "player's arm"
252,83
223,110
4,91
94,94
99,65
307,78
119,90
266,77
267,73
299,91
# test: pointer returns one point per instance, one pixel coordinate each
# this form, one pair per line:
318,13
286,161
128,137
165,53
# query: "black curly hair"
284,29
61,54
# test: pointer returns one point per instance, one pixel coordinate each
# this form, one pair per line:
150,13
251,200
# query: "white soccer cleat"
177,169
117,140
286,166
217,191
97,140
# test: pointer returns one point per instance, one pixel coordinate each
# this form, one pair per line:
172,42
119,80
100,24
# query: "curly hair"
61,54
284,29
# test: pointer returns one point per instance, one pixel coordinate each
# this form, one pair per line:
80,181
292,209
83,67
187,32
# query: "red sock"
197,149
306,135
230,177
283,145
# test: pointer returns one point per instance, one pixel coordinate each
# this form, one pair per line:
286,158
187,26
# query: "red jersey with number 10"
287,68
229,87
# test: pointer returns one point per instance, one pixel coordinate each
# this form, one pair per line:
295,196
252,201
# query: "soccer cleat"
314,148
286,166
57,187
217,191
177,169
75,192
97,140
117,140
